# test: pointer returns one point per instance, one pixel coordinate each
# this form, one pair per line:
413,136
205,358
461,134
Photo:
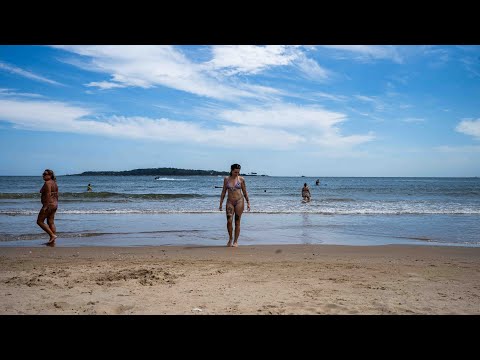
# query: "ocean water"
183,210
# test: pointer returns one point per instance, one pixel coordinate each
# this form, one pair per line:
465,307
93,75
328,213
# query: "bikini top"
52,193
234,187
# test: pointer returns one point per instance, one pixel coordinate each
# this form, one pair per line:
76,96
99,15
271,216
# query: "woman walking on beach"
235,185
49,193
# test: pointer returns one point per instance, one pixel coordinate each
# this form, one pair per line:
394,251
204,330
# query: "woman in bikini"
306,193
49,193
235,185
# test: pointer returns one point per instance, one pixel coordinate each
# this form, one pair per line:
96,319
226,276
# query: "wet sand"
266,279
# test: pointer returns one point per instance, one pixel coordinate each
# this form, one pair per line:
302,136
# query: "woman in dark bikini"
49,193
235,184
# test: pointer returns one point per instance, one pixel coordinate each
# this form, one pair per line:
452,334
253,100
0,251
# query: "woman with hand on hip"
235,186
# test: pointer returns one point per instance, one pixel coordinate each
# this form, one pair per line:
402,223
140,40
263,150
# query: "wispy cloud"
369,52
472,65
438,56
334,140
27,74
458,149
340,98
469,127
105,85
378,104
366,98
311,69
12,92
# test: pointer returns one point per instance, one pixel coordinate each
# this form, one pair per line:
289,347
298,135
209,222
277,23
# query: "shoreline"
250,279
257,229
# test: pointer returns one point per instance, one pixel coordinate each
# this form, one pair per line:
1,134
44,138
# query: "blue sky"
277,110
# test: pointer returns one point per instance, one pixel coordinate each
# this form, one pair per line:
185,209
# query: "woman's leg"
51,224
230,211
42,215
238,216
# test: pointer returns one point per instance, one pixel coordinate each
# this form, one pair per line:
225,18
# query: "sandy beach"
270,279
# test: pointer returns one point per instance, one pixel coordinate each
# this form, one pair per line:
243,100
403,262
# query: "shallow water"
139,210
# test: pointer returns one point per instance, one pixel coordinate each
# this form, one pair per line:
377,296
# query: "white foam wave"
264,211
170,179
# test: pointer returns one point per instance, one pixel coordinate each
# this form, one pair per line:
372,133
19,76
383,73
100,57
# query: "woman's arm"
46,193
222,196
245,194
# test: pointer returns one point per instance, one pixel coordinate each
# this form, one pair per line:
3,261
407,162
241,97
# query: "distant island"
153,172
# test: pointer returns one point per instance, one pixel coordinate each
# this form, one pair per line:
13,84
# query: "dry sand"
270,279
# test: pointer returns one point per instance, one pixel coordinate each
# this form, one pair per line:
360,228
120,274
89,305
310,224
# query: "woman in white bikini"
235,185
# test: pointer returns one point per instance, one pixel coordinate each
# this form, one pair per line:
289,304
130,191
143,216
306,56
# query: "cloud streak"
369,52
27,74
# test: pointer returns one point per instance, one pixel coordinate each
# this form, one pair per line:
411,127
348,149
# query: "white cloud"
250,59
469,127
27,74
149,66
317,125
105,85
311,69
368,52
366,98
155,65
40,115
334,140
285,116
61,117
275,127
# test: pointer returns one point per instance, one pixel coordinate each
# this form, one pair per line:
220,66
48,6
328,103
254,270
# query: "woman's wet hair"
51,173
233,167
305,184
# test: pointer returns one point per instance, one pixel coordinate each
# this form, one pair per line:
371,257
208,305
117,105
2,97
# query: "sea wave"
170,179
103,195
265,211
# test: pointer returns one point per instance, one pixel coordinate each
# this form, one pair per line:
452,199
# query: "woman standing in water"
49,193
235,185
306,193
